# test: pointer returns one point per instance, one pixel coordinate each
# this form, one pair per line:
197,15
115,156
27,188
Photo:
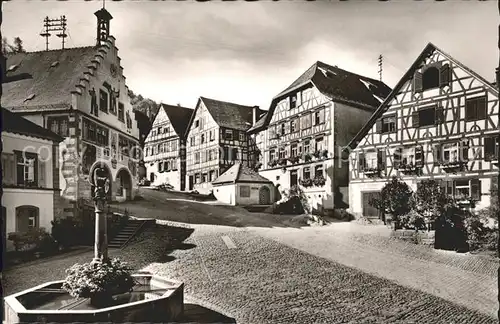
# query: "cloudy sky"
247,53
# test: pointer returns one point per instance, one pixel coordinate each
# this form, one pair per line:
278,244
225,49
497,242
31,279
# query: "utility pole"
497,74
59,25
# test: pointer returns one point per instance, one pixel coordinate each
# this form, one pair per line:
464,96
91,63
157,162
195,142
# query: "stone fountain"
152,299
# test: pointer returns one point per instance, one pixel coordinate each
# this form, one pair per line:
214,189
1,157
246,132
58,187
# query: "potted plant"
306,182
307,157
273,163
325,154
319,181
99,281
294,159
317,154
282,161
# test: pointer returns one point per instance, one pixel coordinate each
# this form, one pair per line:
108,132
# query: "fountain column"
100,181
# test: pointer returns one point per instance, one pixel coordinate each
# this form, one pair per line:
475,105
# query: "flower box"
372,172
319,181
409,168
282,161
306,157
294,159
306,182
453,166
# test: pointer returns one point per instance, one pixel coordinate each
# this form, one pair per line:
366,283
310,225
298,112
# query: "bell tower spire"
103,19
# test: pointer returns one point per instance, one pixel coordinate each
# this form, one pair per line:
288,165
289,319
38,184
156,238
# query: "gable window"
305,121
202,140
103,100
387,124
306,173
319,116
293,101
491,148
475,108
430,78
58,125
228,135
202,122
121,112
196,123
212,135
27,165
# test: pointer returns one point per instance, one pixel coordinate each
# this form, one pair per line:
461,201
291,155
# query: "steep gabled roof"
45,78
179,117
339,85
240,173
13,123
228,114
428,50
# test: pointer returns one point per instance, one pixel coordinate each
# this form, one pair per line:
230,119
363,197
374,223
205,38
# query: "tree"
429,200
394,200
16,48
18,45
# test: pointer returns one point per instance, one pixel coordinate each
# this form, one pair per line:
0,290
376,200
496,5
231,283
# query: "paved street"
273,273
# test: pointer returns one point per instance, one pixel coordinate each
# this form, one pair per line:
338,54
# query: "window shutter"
445,75
382,158
475,189
481,108
465,150
415,120
41,174
439,115
419,156
378,126
417,82
361,161
396,158
489,148
437,154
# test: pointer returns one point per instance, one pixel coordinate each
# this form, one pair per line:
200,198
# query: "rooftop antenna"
57,25
380,58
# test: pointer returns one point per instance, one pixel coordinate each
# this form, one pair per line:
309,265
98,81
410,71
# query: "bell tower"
103,19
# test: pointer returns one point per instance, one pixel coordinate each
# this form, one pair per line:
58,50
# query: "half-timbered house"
321,110
440,122
216,139
80,94
165,147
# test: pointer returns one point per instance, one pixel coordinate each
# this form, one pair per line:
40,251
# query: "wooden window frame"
478,114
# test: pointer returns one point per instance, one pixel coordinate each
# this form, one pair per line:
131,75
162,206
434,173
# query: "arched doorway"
264,196
124,185
108,175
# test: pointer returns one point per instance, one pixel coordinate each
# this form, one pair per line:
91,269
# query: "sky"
247,52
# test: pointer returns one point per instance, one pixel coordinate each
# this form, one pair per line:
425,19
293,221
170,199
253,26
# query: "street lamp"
100,183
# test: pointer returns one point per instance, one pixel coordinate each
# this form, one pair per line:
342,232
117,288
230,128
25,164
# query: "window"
318,171
192,141
204,177
491,148
293,150
210,155
244,191
242,137
305,121
319,116
212,175
228,135
153,133
27,217
103,100
388,124
202,138
294,127
147,151
27,169
475,109
58,125
102,136
293,101
197,157
89,130
371,160
272,155
235,154
282,153
319,144
272,132
212,135
408,156
197,178
167,165
430,78
282,129
197,123
174,146
306,173
450,152
121,112
426,117
293,177
306,146
225,153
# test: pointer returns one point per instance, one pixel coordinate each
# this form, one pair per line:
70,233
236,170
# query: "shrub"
429,200
413,220
394,199
295,202
92,279
33,239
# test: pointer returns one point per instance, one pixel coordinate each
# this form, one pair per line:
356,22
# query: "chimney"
255,112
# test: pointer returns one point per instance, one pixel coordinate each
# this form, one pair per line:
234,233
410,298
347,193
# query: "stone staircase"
133,227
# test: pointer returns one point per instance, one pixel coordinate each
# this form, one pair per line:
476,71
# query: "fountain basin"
153,299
